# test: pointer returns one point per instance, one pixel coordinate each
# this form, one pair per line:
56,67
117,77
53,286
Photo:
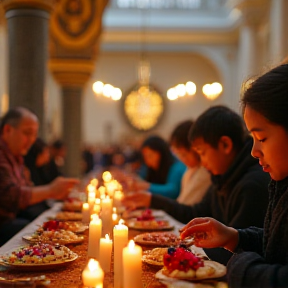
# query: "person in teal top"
162,172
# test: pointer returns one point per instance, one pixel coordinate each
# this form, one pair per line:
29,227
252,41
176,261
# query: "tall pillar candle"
132,266
95,229
85,213
106,215
120,234
105,253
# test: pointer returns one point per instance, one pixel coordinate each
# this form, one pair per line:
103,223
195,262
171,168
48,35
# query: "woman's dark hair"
268,95
158,144
218,121
179,136
36,149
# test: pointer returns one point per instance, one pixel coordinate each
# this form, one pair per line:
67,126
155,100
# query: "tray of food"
38,257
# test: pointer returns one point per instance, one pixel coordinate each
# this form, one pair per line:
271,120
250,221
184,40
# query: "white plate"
220,271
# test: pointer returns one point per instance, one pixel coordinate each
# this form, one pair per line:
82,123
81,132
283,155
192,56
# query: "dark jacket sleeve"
181,212
248,269
250,205
250,239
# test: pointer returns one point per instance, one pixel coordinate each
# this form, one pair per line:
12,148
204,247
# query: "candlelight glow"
94,182
94,217
131,245
107,237
98,201
91,188
121,222
114,210
93,265
85,206
114,217
106,176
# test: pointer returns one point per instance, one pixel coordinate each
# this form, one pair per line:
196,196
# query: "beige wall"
167,70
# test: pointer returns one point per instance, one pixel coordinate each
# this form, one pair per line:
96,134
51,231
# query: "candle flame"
85,206
91,188
107,237
106,176
102,190
131,245
114,210
121,222
94,182
94,217
114,216
93,265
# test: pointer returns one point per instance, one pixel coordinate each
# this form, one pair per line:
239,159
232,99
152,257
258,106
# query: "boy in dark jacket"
238,196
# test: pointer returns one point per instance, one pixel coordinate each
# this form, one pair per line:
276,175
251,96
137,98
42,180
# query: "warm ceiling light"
172,94
212,91
190,88
107,90
98,87
181,90
116,94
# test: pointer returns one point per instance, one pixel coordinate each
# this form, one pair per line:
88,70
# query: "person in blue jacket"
162,172
260,254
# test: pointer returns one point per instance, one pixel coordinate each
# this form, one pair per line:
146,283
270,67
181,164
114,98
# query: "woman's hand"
209,233
136,200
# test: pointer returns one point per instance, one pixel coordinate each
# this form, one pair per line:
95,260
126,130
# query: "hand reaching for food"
210,233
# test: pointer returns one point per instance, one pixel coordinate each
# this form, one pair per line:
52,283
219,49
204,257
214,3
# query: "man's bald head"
14,116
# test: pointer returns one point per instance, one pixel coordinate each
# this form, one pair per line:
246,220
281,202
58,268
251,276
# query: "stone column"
253,13
27,23
278,30
75,30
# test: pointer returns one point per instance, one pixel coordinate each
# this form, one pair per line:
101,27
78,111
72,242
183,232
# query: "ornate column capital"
71,72
253,11
47,5
75,27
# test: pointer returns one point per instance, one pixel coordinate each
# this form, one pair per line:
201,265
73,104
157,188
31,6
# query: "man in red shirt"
18,131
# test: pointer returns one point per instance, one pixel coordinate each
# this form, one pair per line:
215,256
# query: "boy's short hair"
179,136
216,122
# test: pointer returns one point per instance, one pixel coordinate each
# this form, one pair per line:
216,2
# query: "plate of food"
72,204
149,225
38,257
52,225
158,239
146,214
181,263
154,256
62,237
68,216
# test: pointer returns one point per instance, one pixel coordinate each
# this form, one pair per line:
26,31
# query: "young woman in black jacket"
261,255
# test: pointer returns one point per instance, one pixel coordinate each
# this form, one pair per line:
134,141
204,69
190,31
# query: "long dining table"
70,275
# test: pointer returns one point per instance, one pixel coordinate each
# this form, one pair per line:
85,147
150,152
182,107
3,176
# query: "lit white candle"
106,176
105,253
106,214
118,196
94,182
85,213
132,266
120,234
95,229
91,197
92,275
97,206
